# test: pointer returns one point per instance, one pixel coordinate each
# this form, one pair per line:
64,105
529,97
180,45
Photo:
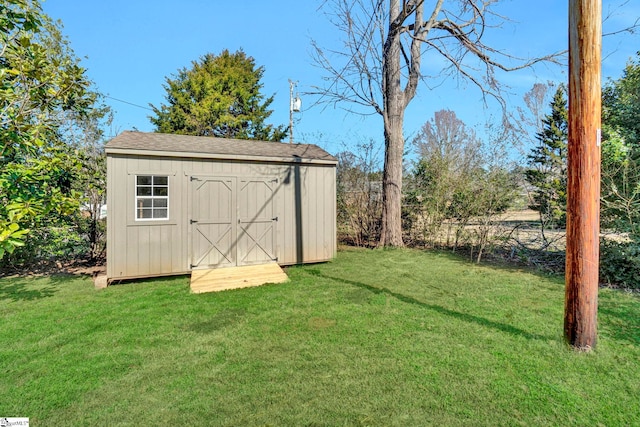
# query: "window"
152,197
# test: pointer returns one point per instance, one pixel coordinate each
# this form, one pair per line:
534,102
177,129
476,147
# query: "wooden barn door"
212,222
232,222
256,221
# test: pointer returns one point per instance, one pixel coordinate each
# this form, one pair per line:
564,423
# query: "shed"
179,203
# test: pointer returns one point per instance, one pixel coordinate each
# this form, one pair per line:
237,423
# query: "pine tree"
219,96
547,171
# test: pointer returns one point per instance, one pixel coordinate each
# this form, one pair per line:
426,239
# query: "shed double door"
232,222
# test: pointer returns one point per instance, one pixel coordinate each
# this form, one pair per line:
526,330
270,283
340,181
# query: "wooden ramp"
221,279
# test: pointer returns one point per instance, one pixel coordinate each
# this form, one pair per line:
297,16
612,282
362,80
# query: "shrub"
50,244
620,263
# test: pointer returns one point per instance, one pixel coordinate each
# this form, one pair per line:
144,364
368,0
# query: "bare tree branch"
380,67
631,29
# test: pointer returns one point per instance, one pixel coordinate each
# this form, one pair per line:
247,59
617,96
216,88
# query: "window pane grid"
152,197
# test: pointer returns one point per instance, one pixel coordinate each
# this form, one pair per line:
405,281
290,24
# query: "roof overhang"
214,156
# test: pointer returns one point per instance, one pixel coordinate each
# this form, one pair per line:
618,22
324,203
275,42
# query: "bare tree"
458,186
529,118
450,156
385,42
358,191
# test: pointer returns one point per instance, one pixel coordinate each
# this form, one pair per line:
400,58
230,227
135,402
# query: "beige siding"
303,200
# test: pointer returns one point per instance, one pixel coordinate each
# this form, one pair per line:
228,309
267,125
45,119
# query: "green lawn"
380,338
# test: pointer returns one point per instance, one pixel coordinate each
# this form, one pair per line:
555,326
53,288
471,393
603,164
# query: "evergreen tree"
218,96
620,198
621,152
621,103
547,172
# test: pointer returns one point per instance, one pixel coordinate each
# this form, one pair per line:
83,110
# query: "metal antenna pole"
291,86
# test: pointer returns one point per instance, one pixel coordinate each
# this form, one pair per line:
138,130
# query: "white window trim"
135,204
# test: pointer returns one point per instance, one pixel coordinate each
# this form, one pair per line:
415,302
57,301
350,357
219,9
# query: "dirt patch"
321,323
525,215
75,268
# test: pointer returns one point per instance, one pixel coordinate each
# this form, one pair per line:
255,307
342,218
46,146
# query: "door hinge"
192,221
193,178
274,218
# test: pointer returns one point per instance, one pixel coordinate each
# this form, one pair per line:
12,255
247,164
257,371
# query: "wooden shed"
179,203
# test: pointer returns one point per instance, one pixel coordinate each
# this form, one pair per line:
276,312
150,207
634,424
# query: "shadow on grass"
22,289
219,321
445,311
625,324
150,279
551,280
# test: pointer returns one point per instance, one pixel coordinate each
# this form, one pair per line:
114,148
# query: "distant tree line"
459,185
453,191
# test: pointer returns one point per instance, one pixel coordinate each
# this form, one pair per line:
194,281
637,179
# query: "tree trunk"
583,185
391,234
393,115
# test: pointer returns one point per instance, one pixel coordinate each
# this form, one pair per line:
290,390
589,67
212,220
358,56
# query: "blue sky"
130,46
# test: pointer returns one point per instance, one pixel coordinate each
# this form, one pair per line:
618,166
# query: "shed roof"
172,145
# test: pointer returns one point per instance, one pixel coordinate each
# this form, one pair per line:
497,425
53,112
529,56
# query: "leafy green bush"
620,263
62,243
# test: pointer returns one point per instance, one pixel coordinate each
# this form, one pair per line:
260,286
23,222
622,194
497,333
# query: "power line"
127,102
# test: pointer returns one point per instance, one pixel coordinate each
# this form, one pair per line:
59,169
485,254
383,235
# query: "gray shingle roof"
202,146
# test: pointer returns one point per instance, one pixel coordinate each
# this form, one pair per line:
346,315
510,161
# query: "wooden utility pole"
583,177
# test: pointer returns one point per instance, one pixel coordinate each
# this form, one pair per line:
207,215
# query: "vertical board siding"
317,226
256,220
139,248
117,217
111,237
309,222
212,232
285,212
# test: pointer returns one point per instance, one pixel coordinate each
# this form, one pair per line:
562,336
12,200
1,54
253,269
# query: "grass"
374,338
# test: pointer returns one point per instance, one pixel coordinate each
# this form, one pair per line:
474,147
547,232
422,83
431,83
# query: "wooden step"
220,279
